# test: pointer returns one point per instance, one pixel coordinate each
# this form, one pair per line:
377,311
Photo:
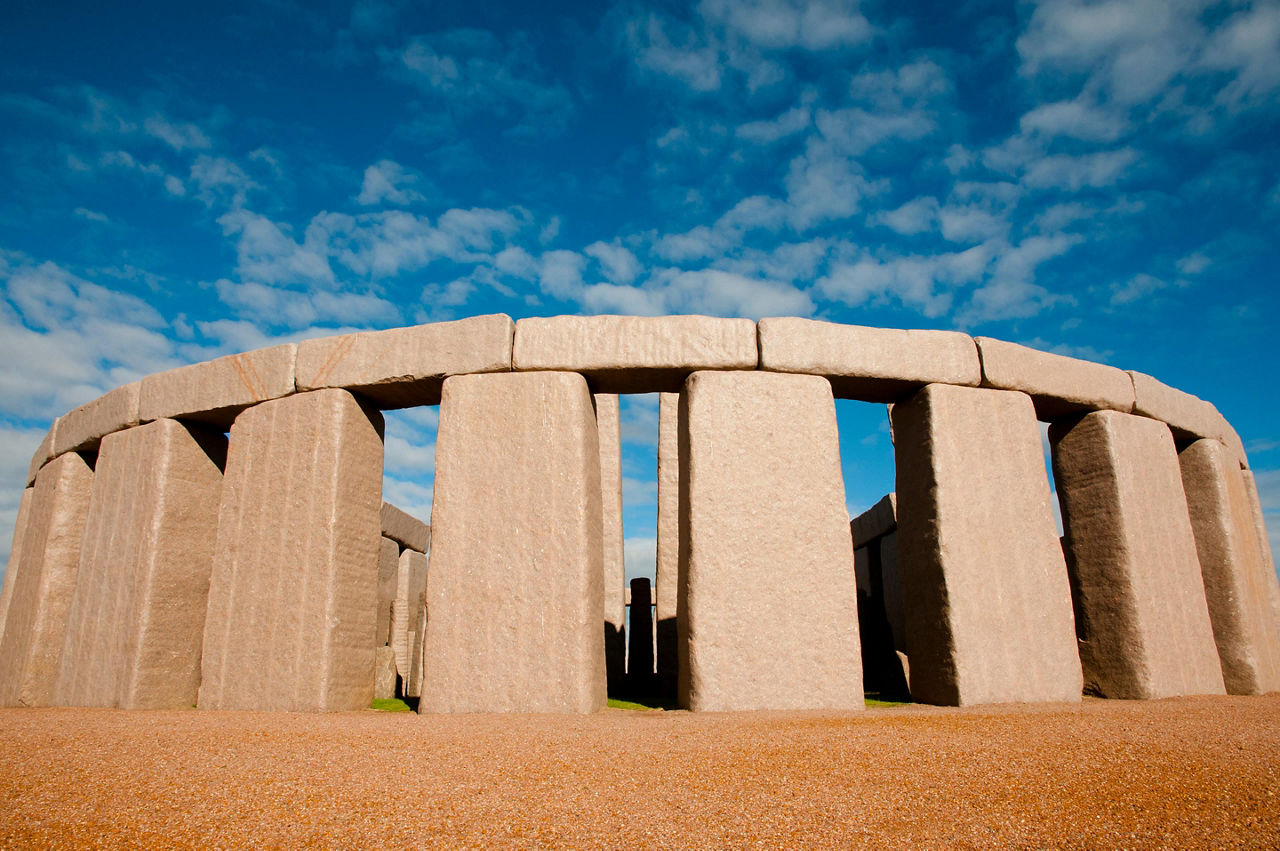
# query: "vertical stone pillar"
293,596
415,623
411,580
1141,617
517,555
1241,592
891,579
388,574
136,620
768,600
44,581
1259,523
15,555
987,599
667,578
615,569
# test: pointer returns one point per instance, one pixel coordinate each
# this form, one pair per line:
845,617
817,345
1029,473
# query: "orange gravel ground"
1198,772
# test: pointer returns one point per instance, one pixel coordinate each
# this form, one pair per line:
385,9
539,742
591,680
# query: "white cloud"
1073,173
1074,119
266,253
1248,44
684,57
922,282
299,308
176,135
793,121
618,264
1138,287
710,291
814,25
641,557
1012,291
560,274
823,185
389,182
914,217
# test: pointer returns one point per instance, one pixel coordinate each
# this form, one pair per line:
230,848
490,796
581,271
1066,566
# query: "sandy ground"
1202,772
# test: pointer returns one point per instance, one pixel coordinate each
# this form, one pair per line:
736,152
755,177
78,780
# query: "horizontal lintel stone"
870,364
1188,417
1056,384
216,391
404,367
405,529
634,354
84,427
879,519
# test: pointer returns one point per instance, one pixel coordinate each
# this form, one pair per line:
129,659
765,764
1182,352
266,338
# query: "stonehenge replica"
215,536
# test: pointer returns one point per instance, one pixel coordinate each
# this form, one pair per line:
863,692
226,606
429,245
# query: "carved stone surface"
1187,416
215,391
1141,615
1240,589
293,597
43,454
45,579
15,555
667,577
136,620
615,568
388,574
85,426
1259,523
517,571
401,367
635,354
988,605
767,587
1056,384
384,673
411,581
405,529
871,364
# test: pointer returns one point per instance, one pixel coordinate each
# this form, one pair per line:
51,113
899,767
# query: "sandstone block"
516,587
15,555
405,529
403,367
1240,589
1056,384
413,686
44,581
136,619
769,607
293,595
411,581
987,599
1260,525
216,391
634,354
871,364
85,427
615,608
1187,416
879,519
667,577
43,454
388,574
384,673
1141,617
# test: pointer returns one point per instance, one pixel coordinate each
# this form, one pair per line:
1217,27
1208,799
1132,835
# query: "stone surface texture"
1056,384
411,581
136,620
384,673
1187,416
1141,617
388,575
871,364
666,590
293,595
615,569
84,427
1259,523
215,391
879,519
43,454
405,529
770,610
517,572
402,367
15,555
1240,589
987,599
45,580
635,354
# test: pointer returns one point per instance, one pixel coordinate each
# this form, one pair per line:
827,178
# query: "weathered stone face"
516,589
44,582
1141,615
388,574
987,601
667,577
1056,384
293,595
384,673
405,529
615,607
216,391
770,613
1240,589
43,454
136,620
411,581
15,556
84,427
1186,416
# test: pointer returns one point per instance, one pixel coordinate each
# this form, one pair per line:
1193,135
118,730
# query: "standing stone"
517,567
615,569
411,580
15,555
413,688
415,607
770,611
1141,617
667,579
1259,523
44,581
292,600
136,620
894,605
1244,603
388,574
384,673
987,599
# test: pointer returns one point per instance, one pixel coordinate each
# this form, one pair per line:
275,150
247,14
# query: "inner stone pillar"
767,592
44,582
293,597
411,581
667,580
388,574
412,634
984,582
136,620
1141,617
15,555
1240,589
615,604
517,556
1259,524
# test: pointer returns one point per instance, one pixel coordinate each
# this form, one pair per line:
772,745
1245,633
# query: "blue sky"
1097,179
